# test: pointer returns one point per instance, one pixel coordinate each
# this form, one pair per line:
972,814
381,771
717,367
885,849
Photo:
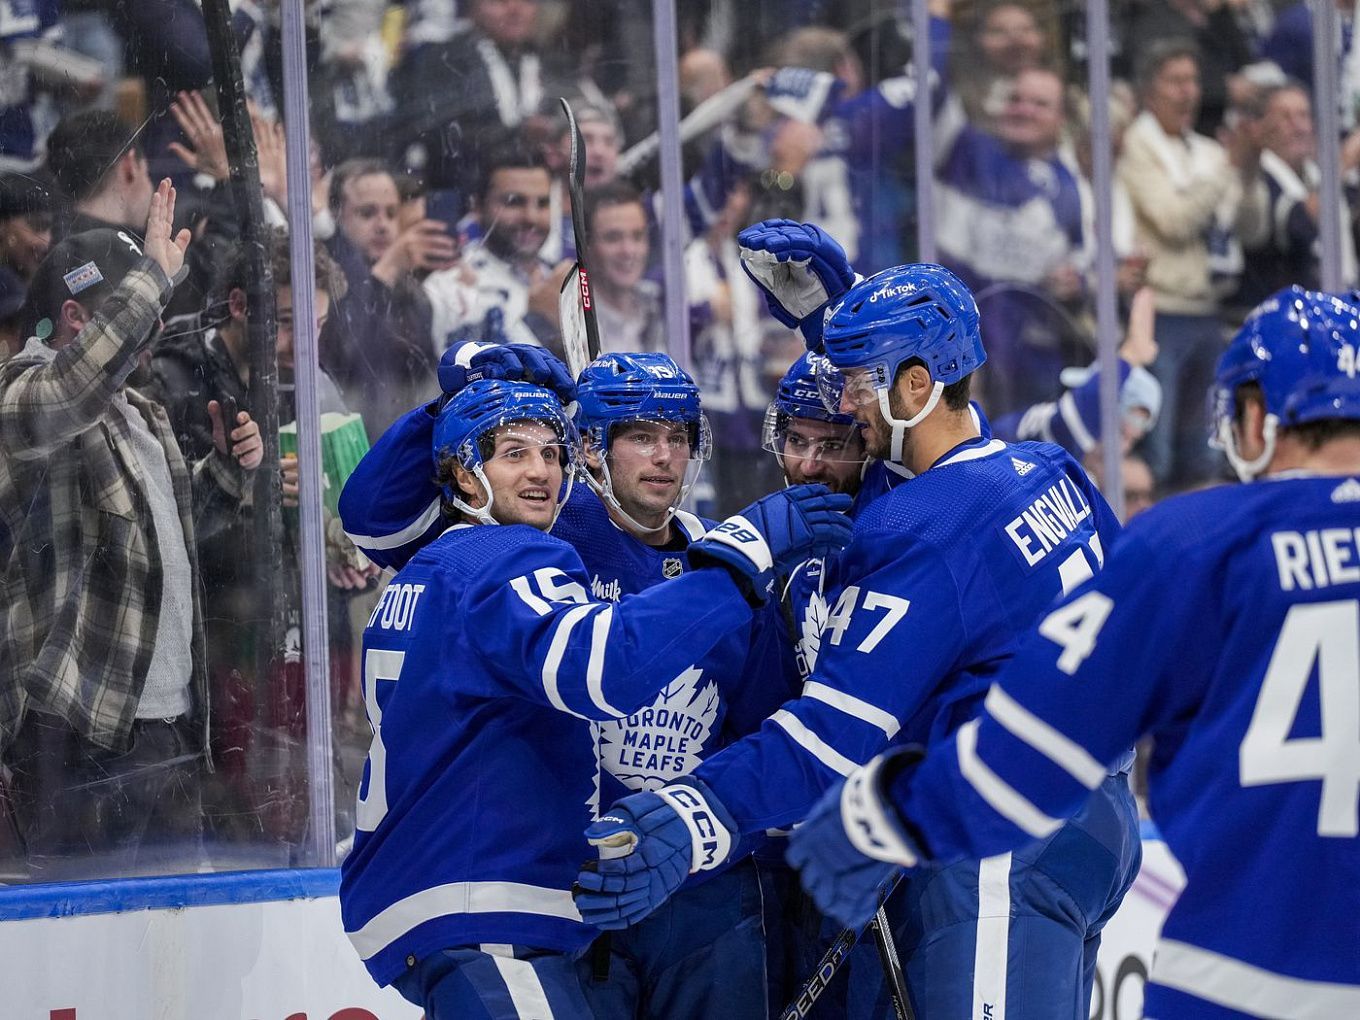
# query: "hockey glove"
471,360
852,841
801,269
775,534
649,844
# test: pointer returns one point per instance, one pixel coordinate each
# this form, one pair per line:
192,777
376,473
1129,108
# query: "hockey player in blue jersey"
487,670
1226,625
942,577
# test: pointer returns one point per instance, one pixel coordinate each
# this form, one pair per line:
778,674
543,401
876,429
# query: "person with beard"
377,342
941,578
502,289
104,687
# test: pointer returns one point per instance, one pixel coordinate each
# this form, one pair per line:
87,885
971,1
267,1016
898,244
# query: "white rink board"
290,960
281,960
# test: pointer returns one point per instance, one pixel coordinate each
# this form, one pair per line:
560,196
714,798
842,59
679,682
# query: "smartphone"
230,410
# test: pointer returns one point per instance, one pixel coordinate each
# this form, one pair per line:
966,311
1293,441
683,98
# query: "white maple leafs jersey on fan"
487,666
1227,626
942,575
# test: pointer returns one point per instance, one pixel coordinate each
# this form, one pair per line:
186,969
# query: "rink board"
269,946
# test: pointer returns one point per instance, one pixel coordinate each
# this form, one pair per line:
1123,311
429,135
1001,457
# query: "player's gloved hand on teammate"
775,534
649,844
852,843
800,267
471,360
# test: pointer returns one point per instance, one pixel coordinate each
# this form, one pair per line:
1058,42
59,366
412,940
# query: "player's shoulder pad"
1221,518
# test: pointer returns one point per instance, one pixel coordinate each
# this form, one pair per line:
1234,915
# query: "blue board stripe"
70,899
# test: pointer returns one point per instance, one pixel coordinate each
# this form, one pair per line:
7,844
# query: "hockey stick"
576,304
831,962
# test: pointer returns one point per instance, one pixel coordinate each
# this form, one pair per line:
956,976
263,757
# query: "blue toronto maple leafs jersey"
487,666
1226,625
942,576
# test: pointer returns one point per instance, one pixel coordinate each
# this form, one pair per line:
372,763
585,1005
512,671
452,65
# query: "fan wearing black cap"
103,704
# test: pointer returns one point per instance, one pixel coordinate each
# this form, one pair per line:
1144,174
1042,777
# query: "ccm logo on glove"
711,841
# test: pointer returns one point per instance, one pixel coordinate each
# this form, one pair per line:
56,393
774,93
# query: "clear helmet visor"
855,387
810,439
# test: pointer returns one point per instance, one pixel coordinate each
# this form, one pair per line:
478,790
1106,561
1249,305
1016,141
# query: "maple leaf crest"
810,638
683,715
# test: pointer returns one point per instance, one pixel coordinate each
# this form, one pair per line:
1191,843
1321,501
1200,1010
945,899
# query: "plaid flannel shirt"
81,586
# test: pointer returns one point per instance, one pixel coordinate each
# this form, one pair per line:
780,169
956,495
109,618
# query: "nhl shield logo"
672,566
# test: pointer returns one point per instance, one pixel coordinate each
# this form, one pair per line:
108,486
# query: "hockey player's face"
525,474
647,464
821,452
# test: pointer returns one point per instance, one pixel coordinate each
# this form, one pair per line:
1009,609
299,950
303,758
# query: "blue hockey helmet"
652,387
1301,348
918,311
810,386
477,411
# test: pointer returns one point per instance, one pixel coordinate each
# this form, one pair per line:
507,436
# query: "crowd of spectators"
441,214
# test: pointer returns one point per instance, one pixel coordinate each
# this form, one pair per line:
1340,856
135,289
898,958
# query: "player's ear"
914,386
592,455
1250,425
470,485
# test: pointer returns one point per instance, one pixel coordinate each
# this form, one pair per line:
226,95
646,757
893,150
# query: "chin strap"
481,514
1245,469
899,426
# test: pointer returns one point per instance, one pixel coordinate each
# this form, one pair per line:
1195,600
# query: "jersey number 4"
1326,634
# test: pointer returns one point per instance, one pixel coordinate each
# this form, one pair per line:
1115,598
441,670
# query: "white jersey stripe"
853,706
521,981
1249,989
412,531
974,453
991,948
1052,744
396,920
1003,798
599,641
558,648
813,744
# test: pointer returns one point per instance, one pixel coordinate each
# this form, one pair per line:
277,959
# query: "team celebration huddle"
864,748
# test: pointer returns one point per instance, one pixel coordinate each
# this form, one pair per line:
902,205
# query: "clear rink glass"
435,193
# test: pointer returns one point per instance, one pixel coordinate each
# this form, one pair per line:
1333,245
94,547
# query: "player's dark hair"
1316,434
509,154
84,147
352,170
955,396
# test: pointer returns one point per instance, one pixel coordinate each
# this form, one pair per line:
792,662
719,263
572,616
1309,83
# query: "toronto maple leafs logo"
810,634
664,740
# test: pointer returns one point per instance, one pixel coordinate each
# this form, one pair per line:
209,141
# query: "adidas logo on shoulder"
1347,492
1022,467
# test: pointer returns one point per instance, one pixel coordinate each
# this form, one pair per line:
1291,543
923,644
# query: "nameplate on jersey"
1318,558
396,608
1043,525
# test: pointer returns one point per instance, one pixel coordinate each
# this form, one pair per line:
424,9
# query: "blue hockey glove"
471,360
775,534
801,269
649,844
851,843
